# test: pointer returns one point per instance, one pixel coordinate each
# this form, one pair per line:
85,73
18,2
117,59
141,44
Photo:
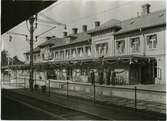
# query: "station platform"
100,108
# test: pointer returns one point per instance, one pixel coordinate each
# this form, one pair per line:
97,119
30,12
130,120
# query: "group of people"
99,76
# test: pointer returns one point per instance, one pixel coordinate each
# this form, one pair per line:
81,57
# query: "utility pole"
31,21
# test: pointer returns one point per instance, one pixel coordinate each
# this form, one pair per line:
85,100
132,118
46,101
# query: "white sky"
75,13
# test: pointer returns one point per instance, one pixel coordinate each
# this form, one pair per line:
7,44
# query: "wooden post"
67,87
16,78
94,95
135,98
49,87
24,83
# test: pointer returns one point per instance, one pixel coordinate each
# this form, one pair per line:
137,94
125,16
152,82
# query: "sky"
74,13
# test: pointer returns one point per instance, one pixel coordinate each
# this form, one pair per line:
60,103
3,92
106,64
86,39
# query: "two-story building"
124,52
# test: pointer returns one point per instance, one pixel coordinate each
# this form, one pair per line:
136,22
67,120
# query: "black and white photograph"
83,60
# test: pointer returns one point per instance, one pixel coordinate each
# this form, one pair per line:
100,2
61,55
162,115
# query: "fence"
94,92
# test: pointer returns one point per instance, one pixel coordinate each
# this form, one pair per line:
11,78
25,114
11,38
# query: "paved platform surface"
107,111
141,104
27,108
145,105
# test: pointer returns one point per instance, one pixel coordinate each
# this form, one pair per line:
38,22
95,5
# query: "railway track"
55,111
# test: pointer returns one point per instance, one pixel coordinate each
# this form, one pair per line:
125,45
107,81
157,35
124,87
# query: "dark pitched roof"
80,37
35,50
77,38
59,42
145,21
113,23
50,41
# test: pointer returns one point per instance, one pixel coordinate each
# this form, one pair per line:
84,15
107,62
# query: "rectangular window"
158,75
102,49
34,57
88,51
74,53
67,53
80,52
62,54
152,41
56,54
43,56
98,49
135,44
120,46
27,57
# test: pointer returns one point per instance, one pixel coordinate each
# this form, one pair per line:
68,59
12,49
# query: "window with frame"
56,54
43,56
52,54
62,54
34,57
74,53
88,51
135,44
67,53
120,46
158,73
152,41
27,57
102,49
80,52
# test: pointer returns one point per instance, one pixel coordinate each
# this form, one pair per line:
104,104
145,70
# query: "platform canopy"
13,12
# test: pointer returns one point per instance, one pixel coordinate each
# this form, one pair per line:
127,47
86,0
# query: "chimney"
97,24
65,34
84,28
75,30
48,37
146,9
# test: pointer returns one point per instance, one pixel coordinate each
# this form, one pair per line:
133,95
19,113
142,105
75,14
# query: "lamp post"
31,22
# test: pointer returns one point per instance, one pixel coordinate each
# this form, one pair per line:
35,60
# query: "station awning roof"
14,12
135,59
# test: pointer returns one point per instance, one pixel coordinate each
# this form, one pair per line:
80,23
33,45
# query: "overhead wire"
17,27
81,18
86,17
104,11
46,31
15,33
27,26
52,20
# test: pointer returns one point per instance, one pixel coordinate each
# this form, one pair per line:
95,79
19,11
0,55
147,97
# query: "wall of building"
71,56
158,53
100,39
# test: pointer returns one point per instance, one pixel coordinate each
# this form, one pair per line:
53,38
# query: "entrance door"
147,74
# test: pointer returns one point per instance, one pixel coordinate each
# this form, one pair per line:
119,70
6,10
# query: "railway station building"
116,52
